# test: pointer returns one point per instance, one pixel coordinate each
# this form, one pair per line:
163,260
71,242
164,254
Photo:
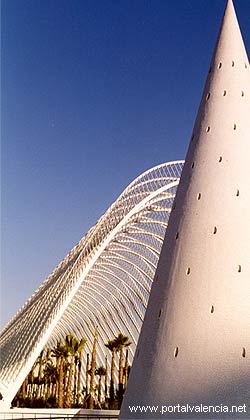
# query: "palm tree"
101,371
71,345
126,366
50,378
111,345
87,375
106,380
31,382
61,353
50,374
92,371
42,361
76,370
79,349
121,341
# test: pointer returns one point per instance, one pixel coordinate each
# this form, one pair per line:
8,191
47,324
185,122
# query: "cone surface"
194,346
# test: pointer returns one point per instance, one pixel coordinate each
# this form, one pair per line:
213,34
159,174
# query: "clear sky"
94,92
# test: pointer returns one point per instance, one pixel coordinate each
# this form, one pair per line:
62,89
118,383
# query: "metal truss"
104,281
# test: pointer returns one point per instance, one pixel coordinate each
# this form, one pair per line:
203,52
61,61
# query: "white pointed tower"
194,346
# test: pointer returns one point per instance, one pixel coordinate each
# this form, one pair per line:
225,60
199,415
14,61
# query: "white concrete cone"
194,347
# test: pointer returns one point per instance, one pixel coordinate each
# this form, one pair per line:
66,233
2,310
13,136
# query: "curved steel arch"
106,278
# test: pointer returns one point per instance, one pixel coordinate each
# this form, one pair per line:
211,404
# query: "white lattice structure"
105,280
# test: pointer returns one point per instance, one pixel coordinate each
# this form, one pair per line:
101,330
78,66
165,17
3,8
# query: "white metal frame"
105,280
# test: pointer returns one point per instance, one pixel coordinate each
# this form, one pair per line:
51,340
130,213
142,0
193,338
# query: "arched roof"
104,281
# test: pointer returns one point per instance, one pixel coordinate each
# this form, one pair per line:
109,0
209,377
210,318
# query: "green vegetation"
55,380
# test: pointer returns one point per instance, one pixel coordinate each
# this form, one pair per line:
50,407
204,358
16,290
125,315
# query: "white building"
194,346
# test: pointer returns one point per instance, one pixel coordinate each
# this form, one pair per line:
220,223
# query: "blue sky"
94,92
